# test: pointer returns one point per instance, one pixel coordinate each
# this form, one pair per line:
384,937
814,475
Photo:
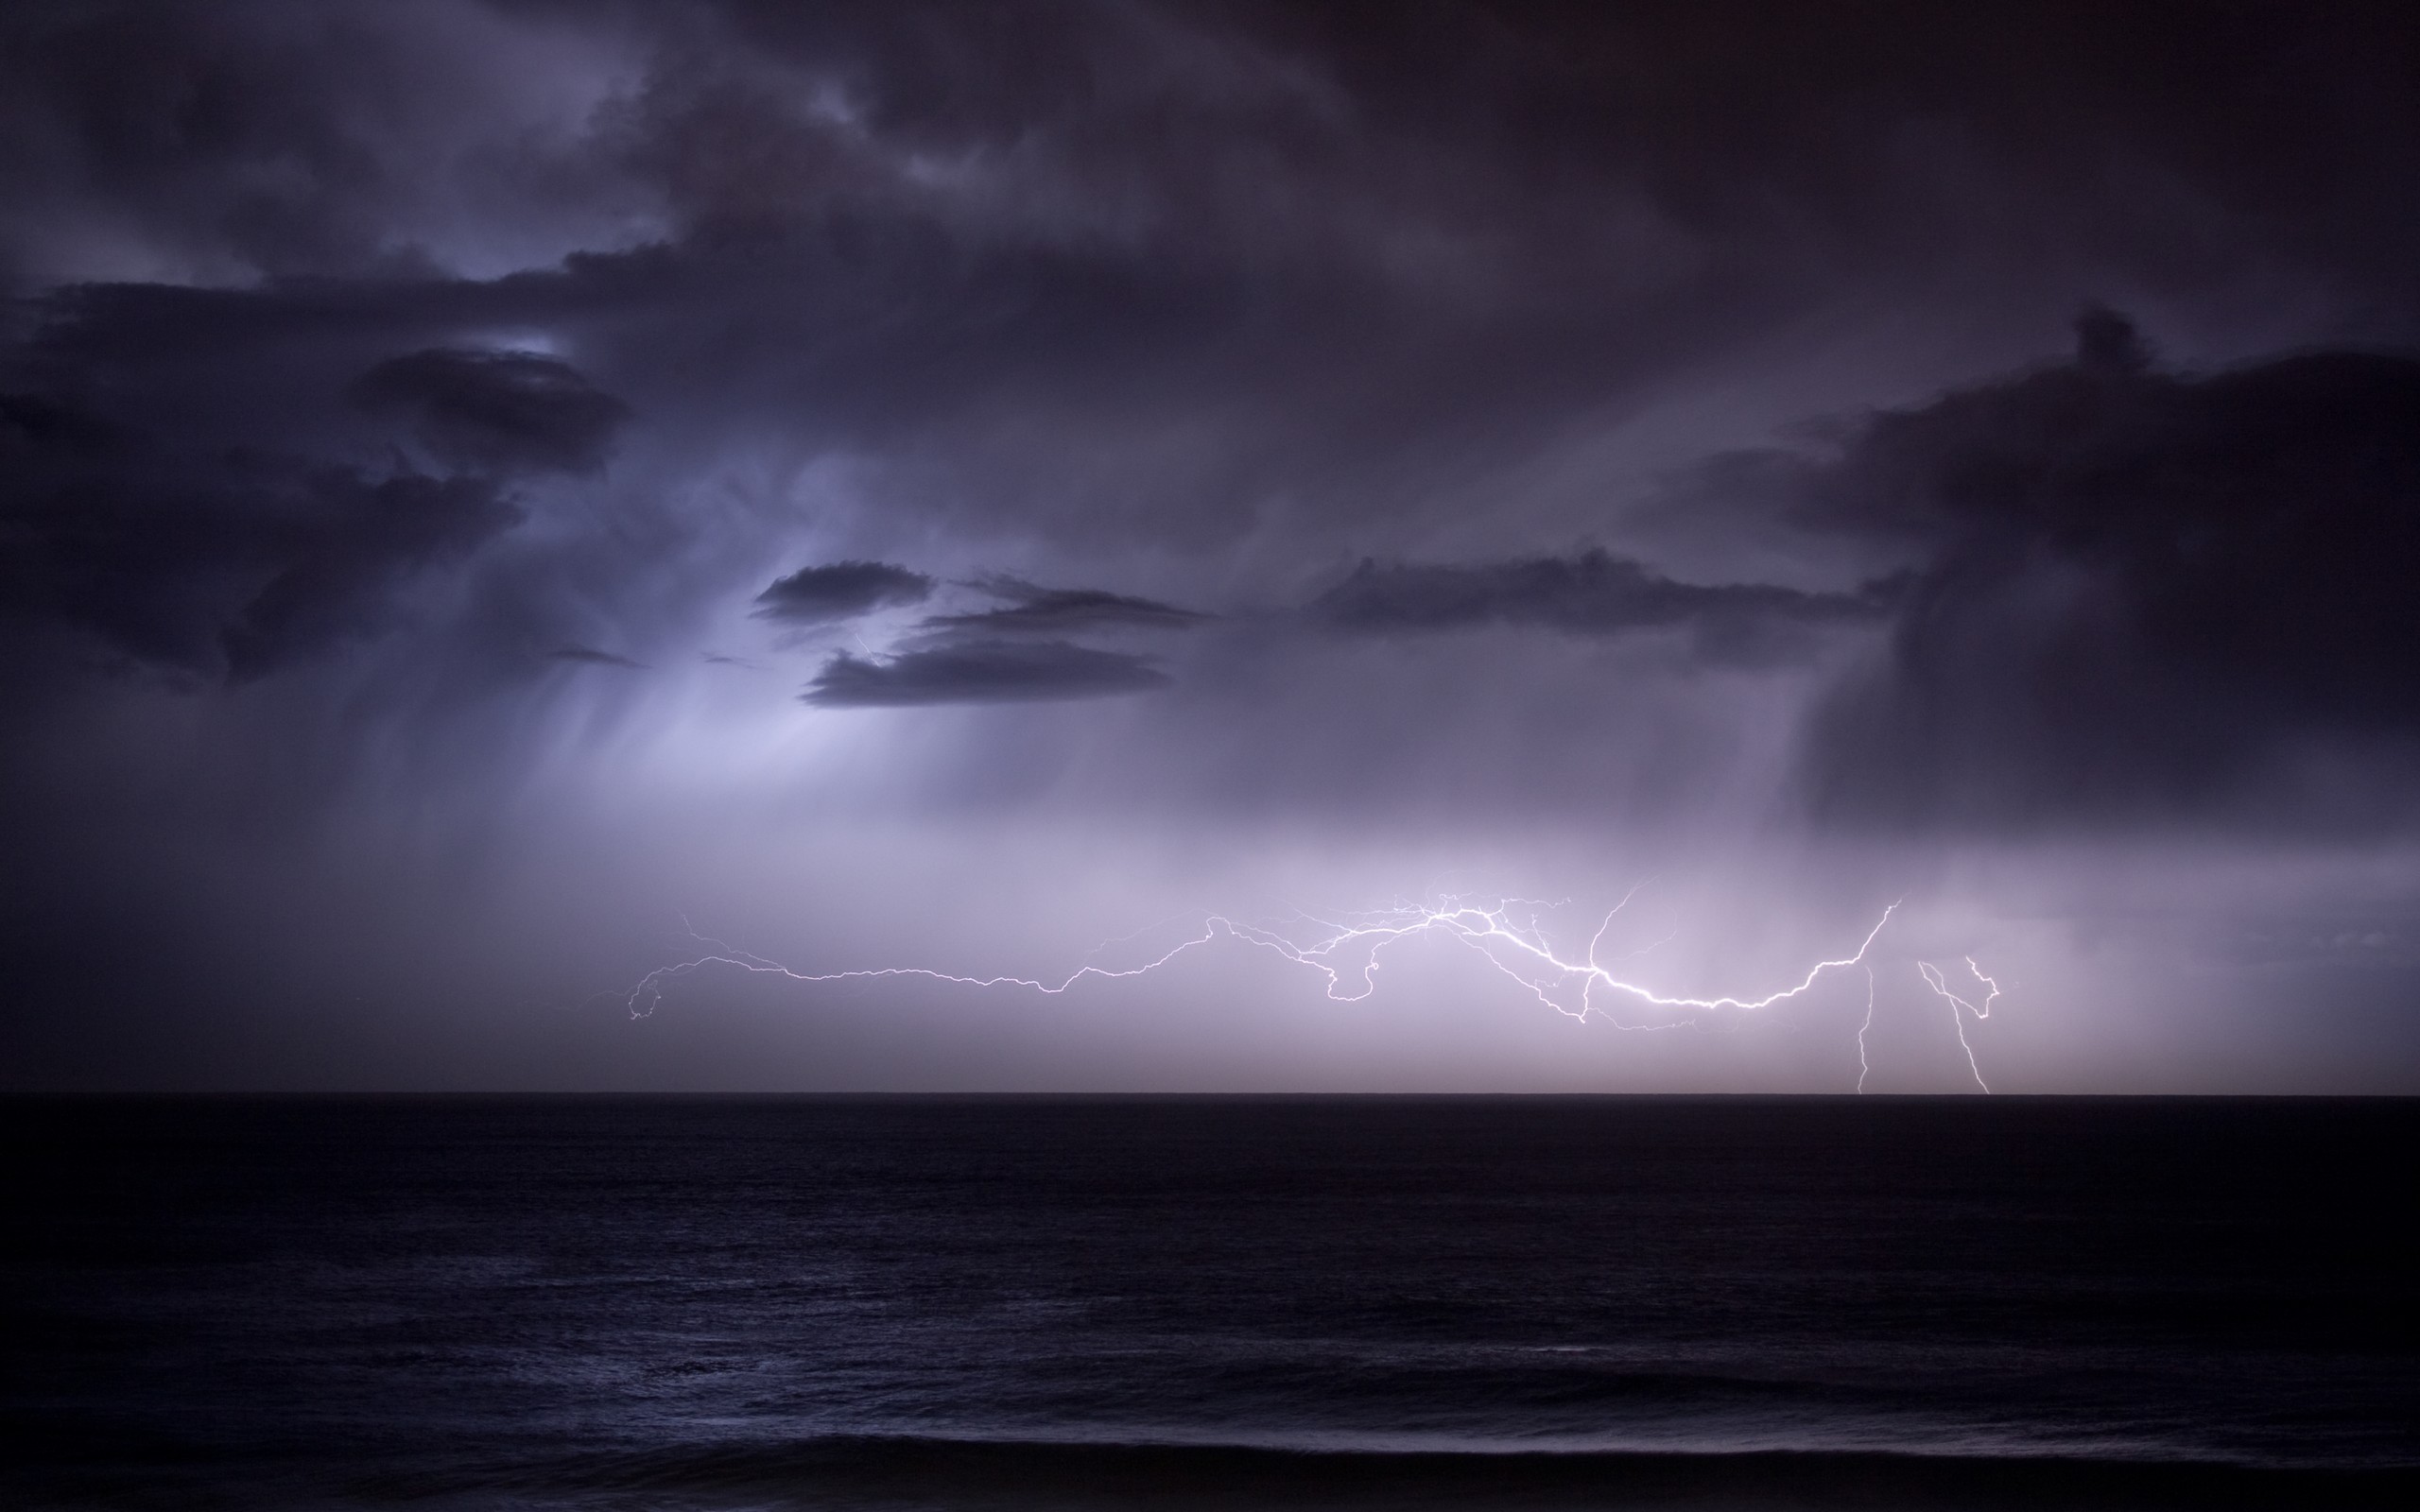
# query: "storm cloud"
502,410
2141,591
1590,593
1492,435
981,671
1060,611
1015,654
188,556
592,657
841,590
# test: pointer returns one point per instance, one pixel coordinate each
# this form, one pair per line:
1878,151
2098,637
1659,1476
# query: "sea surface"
1209,1302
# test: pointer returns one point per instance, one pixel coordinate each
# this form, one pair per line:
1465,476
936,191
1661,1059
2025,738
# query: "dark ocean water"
1210,1302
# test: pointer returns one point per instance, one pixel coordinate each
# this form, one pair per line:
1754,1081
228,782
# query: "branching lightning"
1346,951
1960,1007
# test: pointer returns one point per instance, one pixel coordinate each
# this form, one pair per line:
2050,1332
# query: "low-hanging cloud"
1036,611
841,590
982,671
591,656
1590,593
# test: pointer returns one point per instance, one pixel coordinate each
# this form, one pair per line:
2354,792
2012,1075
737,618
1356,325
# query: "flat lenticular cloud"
1035,610
594,657
979,671
841,590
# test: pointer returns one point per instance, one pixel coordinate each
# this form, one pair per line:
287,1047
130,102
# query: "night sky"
490,489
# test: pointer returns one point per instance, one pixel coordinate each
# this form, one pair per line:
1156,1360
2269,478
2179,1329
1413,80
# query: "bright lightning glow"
1960,1007
1346,954
1517,947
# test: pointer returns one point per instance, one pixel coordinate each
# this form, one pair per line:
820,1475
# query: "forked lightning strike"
1347,953
1960,1007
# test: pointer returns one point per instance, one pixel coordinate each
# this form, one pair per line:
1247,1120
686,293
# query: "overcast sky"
493,495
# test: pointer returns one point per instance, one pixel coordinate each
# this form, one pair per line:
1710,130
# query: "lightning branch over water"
1960,1007
1346,951
1864,1067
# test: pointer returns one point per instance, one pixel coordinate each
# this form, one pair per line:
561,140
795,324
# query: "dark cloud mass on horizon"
480,480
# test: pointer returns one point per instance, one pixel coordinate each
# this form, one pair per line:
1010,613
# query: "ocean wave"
886,1471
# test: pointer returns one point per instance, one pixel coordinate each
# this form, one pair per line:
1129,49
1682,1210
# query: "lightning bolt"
1346,951
1864,1067
1960,1007
1518,949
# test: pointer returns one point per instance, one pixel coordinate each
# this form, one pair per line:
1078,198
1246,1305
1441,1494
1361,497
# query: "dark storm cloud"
592,657
981,672
347,544
1354,265
504,410
1591,593
2142,592
228,138
307,304
1183,278
1061,611
844,590
1012,655
230,480
184,555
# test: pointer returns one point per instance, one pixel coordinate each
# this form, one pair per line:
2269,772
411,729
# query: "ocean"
611,1303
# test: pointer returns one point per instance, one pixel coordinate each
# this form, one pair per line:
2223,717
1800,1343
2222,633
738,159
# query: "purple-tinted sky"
485,487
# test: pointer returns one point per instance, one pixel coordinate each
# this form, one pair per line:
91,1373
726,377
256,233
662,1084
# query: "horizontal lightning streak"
1520,952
